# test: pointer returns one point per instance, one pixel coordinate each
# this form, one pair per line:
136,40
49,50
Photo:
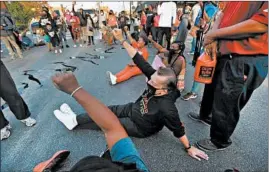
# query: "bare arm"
157,46
102,116
130,50
128,34
240,30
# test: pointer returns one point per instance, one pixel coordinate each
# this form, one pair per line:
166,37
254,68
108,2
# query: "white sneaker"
60,50
75,46
56,52
65,108
69,121
5,133
81,45
29,122
111,78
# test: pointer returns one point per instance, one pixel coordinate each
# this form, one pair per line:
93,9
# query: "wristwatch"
188,147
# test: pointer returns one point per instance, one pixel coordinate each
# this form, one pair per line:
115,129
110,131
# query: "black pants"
70,30
167,32
123,112
91,40
55,41
9,93
154,32
148,30
228,93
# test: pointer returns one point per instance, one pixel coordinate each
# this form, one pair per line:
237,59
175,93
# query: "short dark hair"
171,76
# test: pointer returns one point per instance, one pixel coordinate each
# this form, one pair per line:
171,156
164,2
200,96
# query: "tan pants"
83,36
11,40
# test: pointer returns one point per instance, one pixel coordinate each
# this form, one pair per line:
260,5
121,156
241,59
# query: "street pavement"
162,152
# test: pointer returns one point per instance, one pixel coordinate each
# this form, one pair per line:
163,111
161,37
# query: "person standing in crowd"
61,29
131,69
90,29
179,14
155,28
123,21
9,93
242,66
54,38
111,20
150,21
194,14
136,23
209,15
168,14
112,24
67,16
74,20
174,34
102,18
143,20
6,34
172,58
184,26
44,19
83,25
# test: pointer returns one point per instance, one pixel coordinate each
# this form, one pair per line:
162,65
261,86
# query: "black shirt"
151,113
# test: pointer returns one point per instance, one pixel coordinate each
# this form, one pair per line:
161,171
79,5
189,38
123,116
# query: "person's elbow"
259,27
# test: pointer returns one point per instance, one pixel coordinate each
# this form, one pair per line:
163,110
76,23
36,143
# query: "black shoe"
62,47
67,46
207,145
196,117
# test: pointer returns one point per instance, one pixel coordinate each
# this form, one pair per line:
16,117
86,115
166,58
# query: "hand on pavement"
117,33
65,82
197,153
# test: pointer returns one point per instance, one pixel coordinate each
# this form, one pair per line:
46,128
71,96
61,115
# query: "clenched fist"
65,82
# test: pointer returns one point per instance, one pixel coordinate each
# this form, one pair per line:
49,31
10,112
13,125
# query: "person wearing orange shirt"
242,66
131,69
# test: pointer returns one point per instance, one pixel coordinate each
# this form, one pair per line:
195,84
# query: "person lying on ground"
124,154
172,58
131,69
153,110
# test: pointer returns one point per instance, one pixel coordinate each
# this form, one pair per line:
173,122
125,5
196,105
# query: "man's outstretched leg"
83,121
124,75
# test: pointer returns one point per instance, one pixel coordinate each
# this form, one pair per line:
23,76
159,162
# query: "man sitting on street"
153,110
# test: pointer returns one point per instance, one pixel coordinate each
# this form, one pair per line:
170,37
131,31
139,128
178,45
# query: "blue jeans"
193,43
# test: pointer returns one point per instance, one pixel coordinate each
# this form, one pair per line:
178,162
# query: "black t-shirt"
150,17
151,113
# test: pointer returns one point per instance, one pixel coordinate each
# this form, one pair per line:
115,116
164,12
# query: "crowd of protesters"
239,42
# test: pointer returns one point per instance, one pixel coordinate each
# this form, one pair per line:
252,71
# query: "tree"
23,12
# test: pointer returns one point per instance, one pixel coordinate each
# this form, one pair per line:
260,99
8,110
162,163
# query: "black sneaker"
67,46
196,117
207,145
189,96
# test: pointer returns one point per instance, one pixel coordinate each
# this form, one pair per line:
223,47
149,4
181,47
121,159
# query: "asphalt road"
162,152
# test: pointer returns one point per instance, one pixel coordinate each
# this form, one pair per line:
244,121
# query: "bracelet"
75,91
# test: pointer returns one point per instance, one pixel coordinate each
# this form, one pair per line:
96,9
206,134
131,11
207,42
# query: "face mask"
151,89
110,13
172,52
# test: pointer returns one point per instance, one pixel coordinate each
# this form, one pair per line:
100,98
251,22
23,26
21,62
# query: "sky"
115,6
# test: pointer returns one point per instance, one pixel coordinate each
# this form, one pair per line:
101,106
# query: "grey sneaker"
5,133
207,145
29,122
189,96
